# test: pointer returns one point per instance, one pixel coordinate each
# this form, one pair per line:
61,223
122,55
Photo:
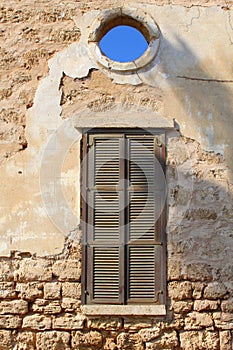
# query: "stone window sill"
124,310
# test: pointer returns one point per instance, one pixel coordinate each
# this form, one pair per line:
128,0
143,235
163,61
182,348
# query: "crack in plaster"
231,26
193,19
205,79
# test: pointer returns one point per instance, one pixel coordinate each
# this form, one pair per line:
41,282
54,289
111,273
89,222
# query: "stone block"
226,340
196,320
90,340
7,290
67,270
215,290
33,270
70,304
137,323
177,323
168,341
105,323
199,272
6,271
223,320
5,340
25,341
29,291
205,305
13,307
174,270
180,290
199,340
198,288
53,340
52,290
127,341
10,322
227,305
149,334
68,321
110,344
37,322
182,307
71,290
46,306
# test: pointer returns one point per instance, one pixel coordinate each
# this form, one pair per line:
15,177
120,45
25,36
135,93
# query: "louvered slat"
106,273
141,272
106,170
141,155
142,223
106,216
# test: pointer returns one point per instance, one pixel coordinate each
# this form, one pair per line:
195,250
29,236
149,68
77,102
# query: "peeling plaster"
173,70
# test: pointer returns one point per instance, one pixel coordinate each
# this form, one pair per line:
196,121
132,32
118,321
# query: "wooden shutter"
104,216
145,212
124,228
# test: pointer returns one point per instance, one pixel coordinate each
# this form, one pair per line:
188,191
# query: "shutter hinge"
156,299
158,142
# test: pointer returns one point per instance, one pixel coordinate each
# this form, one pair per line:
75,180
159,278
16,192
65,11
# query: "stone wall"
40,309
40,298
48,78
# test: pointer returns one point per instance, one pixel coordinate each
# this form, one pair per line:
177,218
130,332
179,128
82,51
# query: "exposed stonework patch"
105,94
166,341
199,340
47,313
25,341
53,340
129,341
5,339
92,339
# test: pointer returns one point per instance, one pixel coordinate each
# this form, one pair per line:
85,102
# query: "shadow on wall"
200,214
206,101
200,198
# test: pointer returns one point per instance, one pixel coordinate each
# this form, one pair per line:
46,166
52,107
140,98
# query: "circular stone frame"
133,17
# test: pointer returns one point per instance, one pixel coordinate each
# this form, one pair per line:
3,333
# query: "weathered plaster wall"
51,87
189,81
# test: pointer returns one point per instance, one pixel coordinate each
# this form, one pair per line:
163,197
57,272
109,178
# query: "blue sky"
123,44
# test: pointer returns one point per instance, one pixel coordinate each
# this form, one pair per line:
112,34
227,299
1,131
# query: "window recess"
124,193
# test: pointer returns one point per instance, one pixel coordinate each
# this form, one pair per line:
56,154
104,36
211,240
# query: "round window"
124,39
123,44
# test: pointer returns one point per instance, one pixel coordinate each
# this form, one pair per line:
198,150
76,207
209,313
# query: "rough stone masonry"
51,87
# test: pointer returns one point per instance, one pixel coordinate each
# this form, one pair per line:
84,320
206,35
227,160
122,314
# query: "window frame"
161,133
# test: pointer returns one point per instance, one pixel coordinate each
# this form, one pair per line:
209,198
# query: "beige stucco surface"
192,79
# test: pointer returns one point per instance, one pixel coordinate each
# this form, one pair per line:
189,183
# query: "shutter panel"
144,273
145,197
141,156
141,272
146,190
104,220
106,216
141,216
106,274
107,161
